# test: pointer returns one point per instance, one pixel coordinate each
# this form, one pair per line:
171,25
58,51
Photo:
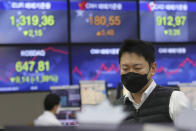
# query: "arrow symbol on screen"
98,33
166,32
12,79
25,32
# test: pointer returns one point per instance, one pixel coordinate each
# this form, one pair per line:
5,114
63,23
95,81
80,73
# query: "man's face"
131,62
57,108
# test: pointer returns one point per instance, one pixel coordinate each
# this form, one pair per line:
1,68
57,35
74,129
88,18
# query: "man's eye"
125,69
138,68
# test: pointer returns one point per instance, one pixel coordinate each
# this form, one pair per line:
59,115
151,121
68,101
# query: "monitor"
167,20
68,118
176,63
33,21
95,21
97,62
33,68
69,96
92,92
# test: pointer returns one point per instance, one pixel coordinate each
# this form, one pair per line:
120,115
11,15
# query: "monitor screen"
69,96
96,63
33,21
33,68
176,63
103,21
167,21
68,118
92,92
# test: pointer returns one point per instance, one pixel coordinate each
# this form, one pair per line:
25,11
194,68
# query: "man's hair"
50,101
140,48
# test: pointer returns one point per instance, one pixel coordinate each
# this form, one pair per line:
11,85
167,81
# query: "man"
48,118
146,101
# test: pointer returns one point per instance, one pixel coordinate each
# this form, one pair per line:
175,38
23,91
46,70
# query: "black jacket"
155,108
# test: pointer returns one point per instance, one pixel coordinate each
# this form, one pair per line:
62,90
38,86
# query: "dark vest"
155,109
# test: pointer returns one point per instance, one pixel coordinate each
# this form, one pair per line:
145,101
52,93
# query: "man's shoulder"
169,88
46,120
162,91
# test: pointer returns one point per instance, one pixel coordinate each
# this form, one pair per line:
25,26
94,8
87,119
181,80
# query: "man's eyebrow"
124,65
137,64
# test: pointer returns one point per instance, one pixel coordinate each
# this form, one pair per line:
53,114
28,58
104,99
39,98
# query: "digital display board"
33,21
96,63
103,21
167,21
33,68
176,63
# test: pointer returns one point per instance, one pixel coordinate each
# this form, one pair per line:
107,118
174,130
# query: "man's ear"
153,68
56,106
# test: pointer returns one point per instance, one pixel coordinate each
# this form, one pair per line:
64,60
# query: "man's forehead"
132,57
